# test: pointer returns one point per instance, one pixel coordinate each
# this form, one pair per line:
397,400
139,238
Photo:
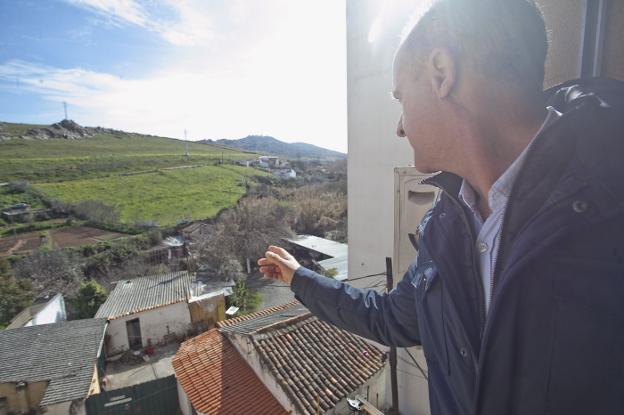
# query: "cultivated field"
145,178
57,238
165,196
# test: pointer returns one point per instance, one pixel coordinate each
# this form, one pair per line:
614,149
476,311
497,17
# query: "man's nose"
400,131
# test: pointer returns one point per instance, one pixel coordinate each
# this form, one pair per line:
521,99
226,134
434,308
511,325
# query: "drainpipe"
393,350
22,397
594,24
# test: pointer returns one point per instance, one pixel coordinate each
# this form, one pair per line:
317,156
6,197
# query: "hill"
143,178
67,151
270,145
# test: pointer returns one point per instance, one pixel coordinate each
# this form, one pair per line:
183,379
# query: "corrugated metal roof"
323,246
253,322
341,265
146,293
62,353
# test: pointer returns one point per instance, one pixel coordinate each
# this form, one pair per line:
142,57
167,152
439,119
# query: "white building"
159,309
44,311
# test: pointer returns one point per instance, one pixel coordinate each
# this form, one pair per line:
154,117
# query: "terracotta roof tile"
313,360
217,379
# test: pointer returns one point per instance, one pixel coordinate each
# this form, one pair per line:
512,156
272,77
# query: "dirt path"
15,247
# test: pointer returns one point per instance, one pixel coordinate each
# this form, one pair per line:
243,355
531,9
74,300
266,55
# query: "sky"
215,68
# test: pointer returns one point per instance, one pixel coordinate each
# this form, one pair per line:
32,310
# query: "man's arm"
389,319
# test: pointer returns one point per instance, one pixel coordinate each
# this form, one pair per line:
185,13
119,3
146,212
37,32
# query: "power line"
420,368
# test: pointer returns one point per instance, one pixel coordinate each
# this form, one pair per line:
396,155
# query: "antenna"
65,108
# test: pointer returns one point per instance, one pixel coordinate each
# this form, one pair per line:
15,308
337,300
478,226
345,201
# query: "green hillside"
165,197
147,178
104,154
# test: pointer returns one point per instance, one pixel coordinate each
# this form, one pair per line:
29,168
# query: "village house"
43,311
285,173
50,368
160,309
306,365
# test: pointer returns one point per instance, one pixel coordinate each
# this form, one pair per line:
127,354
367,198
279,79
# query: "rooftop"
217,380
30,312
146,293
322,246
309,359
62,353
313,360
251,323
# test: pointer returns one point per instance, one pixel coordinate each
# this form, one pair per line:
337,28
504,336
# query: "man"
517,294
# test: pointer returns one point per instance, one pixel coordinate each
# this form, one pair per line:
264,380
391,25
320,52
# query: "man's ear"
443,71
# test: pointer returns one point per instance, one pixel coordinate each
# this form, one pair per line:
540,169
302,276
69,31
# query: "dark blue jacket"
553,340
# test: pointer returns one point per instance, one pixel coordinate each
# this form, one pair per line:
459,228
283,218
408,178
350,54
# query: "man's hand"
278,264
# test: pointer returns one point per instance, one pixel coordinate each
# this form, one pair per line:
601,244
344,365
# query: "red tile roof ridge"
236,320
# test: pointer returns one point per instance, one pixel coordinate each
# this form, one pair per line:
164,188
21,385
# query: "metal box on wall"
412,200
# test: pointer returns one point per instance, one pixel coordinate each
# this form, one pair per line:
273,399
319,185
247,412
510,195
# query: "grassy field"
102,155
165,197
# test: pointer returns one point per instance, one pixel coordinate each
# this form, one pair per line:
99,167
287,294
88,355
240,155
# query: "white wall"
374,30
185,403
155,324
374,149
53,312
65,408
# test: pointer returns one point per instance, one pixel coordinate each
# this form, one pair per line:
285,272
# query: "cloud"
274,67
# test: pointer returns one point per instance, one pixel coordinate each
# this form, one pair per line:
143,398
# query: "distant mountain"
270,145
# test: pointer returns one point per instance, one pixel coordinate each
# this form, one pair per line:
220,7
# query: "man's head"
454,63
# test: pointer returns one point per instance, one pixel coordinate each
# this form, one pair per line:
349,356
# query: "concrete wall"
155,325
76,407
185,403
30,398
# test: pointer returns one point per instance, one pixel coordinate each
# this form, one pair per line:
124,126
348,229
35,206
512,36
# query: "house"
43,311
270,161
50,368
285,173
17,213
328,254
307,365
160,309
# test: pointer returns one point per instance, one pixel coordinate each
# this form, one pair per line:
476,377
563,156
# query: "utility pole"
186,151
393,351
65,108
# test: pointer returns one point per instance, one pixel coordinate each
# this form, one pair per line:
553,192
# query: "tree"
50,272
88,300
15,294
230,269
244,298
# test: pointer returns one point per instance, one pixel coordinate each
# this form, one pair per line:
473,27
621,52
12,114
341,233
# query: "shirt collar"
500,190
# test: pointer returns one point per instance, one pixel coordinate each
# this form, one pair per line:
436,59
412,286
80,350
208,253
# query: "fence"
157,397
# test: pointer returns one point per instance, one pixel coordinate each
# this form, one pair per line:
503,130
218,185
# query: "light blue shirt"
488,237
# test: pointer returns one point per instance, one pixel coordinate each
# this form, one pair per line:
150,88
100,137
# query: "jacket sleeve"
389,319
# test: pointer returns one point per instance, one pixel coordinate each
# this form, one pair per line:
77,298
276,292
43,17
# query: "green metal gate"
157,397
